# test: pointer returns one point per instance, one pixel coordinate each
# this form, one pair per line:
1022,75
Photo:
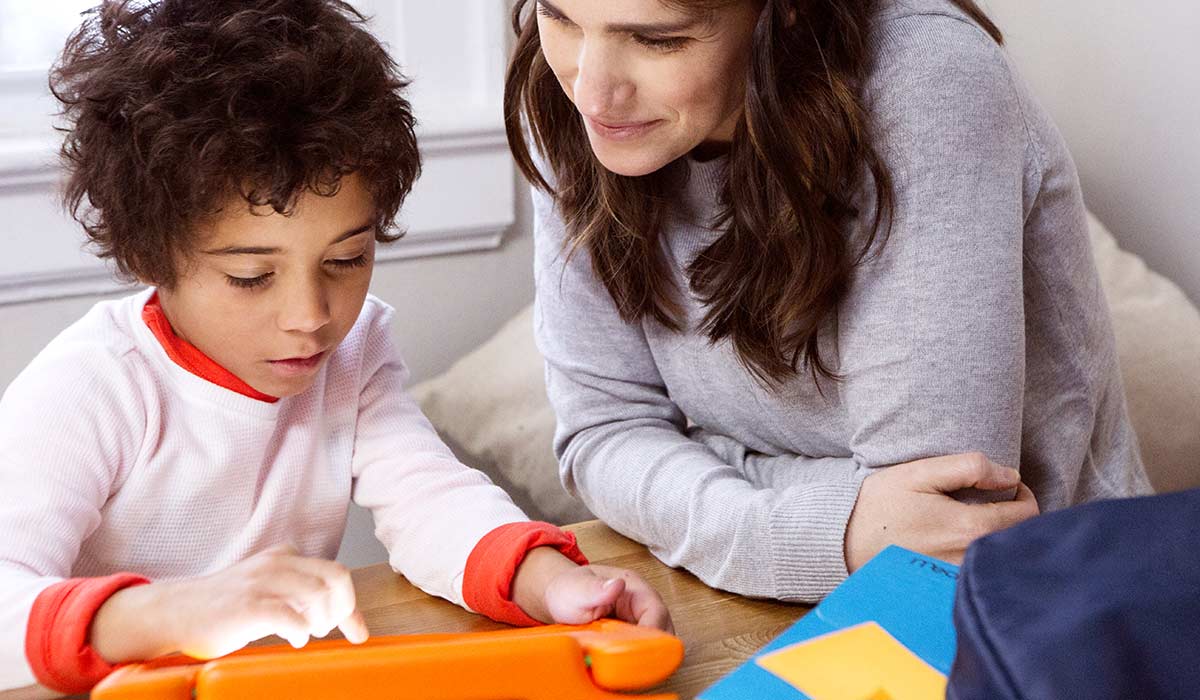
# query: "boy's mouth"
297,366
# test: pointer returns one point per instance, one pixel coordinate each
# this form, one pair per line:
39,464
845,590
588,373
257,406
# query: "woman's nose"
602,87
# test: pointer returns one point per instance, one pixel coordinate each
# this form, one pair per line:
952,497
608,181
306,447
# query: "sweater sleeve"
66,425
623,449
430,510
932,332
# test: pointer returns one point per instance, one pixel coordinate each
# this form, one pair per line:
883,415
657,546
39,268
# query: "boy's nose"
305,311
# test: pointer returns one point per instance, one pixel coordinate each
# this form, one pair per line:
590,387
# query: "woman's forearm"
694,510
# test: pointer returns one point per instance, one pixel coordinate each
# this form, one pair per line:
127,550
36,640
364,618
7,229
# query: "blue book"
887,633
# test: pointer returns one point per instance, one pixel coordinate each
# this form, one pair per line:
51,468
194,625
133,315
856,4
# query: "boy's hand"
551,588
274,592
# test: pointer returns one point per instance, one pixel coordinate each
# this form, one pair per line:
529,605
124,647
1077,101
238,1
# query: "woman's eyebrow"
633,27
261,250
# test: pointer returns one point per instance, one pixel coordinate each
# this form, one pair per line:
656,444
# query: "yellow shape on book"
862,662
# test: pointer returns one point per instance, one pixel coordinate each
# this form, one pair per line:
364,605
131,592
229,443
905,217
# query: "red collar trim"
189,357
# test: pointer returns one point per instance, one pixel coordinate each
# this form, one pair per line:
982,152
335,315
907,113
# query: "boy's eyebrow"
632,27
258,250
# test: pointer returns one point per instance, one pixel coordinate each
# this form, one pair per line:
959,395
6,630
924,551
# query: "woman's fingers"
962,471
1020,509
1026,495
982,519
910,505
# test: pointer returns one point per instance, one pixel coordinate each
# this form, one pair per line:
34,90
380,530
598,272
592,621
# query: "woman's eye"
552,16
359,261
249,282
664,44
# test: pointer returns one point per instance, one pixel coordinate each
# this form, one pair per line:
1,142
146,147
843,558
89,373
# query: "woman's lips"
297,366
621,131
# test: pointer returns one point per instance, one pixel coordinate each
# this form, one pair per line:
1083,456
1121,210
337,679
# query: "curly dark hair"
175,107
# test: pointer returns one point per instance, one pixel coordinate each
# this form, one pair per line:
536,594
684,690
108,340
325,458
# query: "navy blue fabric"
1100,601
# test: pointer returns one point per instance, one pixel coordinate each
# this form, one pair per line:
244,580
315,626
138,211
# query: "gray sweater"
981,326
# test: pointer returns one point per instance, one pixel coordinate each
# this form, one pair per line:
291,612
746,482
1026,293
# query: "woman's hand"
551,588
274,592
909,505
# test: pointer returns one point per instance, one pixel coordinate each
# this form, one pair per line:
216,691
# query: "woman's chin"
630,163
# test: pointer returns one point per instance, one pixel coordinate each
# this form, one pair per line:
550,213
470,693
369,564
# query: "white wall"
1122,80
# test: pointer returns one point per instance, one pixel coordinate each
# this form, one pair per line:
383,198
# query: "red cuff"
56,638
487,582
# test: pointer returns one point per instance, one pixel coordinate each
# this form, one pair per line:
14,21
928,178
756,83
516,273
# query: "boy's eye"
349,262
666,44
249,282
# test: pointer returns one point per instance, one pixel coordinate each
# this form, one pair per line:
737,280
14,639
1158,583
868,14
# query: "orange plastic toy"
554,662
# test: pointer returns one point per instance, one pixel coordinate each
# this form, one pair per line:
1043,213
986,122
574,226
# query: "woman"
782,245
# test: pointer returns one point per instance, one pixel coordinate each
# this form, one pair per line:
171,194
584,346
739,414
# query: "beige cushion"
492,410
1158,343
491,406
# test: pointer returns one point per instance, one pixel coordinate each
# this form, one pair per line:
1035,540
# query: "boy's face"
269,297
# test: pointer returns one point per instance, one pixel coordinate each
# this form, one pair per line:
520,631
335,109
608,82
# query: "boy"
175,468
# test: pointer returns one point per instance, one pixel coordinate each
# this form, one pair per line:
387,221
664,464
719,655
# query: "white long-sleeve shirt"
113,458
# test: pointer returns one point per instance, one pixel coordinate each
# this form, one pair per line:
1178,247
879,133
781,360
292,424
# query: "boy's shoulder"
99,348
83,404
375,311
373,324
369,342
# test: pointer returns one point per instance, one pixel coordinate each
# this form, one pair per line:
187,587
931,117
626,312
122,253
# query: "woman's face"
651,81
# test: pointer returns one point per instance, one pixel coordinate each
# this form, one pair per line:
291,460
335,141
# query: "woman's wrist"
135,624
537,569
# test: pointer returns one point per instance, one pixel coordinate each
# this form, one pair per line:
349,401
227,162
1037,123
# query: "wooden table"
719,630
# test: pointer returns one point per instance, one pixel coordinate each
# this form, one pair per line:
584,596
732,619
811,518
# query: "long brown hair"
799,157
